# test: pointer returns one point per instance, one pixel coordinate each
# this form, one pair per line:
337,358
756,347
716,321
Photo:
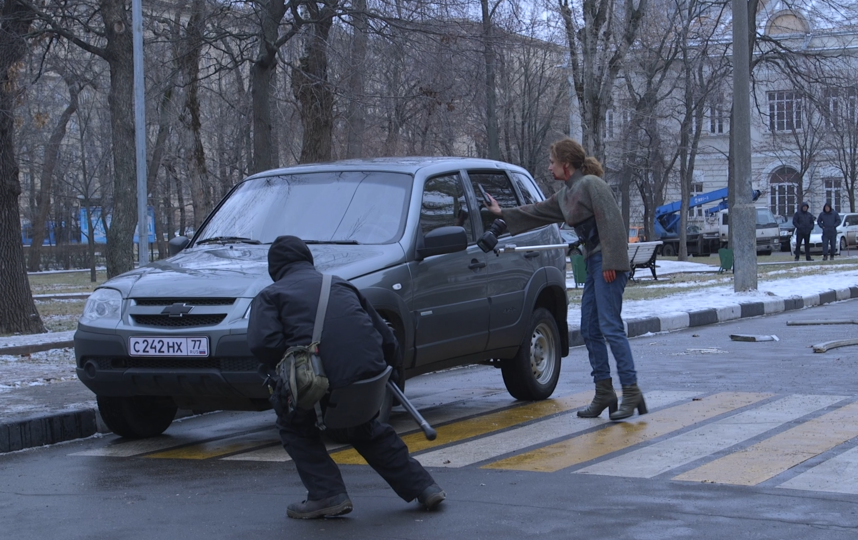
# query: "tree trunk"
119,56
355,113
188,61
491,90
19,314
265,152
155,166
313,91
52,151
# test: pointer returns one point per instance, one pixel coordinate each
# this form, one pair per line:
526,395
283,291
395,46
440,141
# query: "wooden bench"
642,255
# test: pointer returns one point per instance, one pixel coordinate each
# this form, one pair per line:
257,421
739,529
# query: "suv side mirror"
177,244
442,240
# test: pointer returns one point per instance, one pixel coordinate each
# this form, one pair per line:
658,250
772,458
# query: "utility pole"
140,133
743,215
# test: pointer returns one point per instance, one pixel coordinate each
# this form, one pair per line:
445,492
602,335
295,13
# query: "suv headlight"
102,304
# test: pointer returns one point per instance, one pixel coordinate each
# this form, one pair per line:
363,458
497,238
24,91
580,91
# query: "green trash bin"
726,257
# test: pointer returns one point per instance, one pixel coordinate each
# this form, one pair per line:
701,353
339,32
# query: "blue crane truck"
714,234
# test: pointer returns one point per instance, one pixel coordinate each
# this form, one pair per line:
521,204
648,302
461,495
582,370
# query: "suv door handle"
531,254
475,264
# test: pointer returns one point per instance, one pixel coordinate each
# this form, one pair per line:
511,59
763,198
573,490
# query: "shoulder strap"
324,294
323,307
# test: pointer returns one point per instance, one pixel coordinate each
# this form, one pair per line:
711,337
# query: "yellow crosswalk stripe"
220,447
622,435
480,425
776,454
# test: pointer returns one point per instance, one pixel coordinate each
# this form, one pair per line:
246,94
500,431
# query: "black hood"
286,250
805,206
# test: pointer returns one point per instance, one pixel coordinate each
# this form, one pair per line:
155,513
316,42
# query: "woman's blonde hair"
572,153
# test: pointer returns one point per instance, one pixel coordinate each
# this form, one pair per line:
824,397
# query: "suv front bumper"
232,375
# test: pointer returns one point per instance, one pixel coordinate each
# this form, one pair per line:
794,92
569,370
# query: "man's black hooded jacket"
356,343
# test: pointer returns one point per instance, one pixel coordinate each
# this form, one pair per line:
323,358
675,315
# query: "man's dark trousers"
829,243
376,442
799,237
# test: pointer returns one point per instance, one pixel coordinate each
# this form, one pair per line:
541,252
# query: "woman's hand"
494,208
609,275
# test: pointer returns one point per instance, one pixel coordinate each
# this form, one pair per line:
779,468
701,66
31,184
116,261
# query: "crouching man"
352,347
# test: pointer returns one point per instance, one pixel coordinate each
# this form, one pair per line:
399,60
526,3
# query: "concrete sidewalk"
62,411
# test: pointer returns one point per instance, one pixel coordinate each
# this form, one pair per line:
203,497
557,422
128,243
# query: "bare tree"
188,51
271,15
355,82
52,151
488,12
311,87
598,43
842,134
112,42
19,314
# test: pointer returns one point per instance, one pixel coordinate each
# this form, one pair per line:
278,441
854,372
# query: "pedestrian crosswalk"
788,441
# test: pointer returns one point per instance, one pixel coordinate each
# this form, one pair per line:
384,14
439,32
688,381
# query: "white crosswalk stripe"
677,451
837,475
537,433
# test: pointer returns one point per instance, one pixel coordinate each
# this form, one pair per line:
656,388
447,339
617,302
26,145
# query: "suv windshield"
326,207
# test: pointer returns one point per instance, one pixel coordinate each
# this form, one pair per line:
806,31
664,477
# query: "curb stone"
52,428
679,321
49,428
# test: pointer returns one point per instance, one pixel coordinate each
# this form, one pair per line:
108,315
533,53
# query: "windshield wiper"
343,242
228,240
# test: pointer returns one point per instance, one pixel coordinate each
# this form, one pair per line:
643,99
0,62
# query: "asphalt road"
743,440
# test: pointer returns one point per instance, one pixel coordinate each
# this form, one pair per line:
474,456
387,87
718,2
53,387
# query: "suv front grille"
188,301
178,322
222,364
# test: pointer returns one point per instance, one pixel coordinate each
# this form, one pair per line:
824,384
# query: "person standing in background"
803,222
828,219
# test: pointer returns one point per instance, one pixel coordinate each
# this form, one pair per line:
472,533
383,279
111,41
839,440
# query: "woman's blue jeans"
601,321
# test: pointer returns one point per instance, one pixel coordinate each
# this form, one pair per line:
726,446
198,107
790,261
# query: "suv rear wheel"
136,417
533,372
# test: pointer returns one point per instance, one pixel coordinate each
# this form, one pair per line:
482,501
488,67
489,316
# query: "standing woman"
586,202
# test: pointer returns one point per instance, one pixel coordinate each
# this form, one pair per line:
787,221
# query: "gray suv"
172,334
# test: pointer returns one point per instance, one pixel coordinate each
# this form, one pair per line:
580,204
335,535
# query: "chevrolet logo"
177,310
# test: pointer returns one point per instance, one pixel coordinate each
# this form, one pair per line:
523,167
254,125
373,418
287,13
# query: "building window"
615,122
696,189
842,106
785,110
784,188
832,193
609,124
716,120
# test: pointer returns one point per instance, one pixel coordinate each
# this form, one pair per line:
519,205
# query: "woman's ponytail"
592,166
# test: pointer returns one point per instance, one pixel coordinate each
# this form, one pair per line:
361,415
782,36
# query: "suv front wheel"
136,417
532,374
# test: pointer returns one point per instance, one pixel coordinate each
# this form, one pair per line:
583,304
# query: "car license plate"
169,346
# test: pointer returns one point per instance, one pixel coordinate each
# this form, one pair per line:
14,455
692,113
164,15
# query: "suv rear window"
353,206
